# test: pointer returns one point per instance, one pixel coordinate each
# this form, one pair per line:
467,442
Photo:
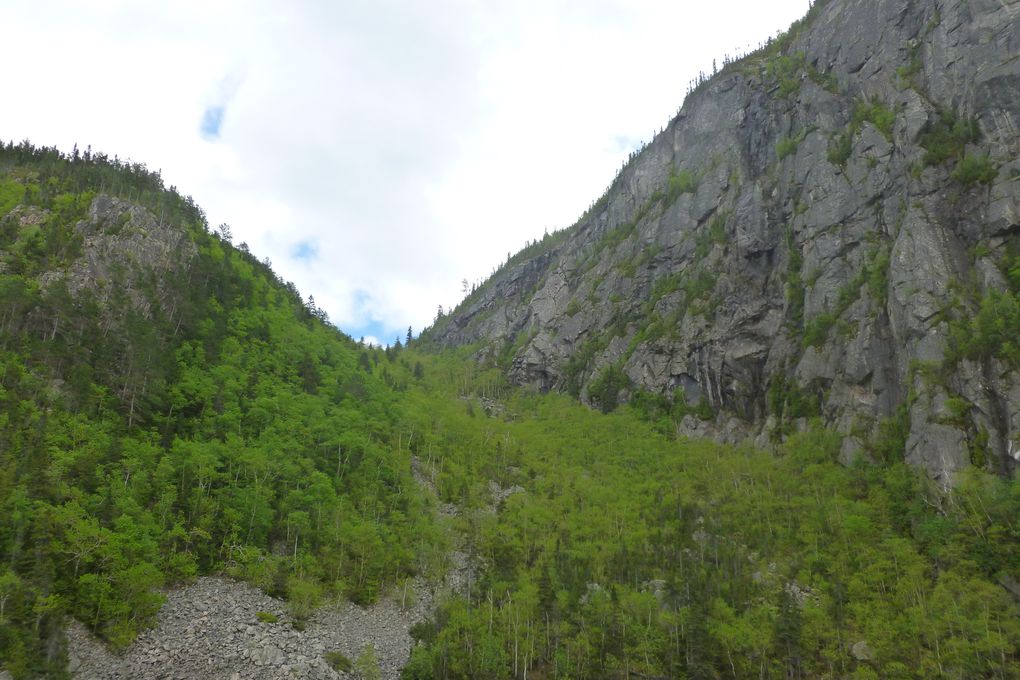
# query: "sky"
378,152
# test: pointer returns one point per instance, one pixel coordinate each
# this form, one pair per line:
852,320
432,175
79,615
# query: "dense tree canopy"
631,553
151,430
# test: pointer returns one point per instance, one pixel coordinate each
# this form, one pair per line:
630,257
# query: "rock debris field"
211,630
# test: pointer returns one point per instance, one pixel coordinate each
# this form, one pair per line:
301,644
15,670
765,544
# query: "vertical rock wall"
804,239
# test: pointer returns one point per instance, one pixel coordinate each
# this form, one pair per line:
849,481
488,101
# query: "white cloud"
409,144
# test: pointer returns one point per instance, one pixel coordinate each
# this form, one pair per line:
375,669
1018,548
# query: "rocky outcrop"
802,240
126,250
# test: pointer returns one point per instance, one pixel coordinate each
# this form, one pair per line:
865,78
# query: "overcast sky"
377,151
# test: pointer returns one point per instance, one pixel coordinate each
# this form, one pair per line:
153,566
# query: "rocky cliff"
829,227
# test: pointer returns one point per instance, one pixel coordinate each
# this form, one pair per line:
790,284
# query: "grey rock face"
788,247
123,246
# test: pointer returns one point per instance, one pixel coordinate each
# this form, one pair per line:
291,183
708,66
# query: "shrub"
714,235
339,662
787,71
975,169
787,146
367,665
683,182
788,399
816,331
577,364
947,136
605,389
840,148
702,410
876,113
303,596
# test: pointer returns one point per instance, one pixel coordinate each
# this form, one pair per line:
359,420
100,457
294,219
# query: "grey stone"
740,337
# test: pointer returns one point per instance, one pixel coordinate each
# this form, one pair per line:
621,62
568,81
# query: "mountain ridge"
790,246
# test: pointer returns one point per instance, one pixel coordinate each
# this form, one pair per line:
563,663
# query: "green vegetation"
788,400
789,71
779,63
877,275
548,243
367,665
695,287
947,137
787,146
816,331
614,237
983,325
786,70
908,72
663,413
574,372
992,331
605,389
679,183
840,148
714,235
506,354
12,193
627,268
794,282
216,426
874,275
874,112
266,617
214,423
339,662
975,169
656,328
636,552
989,326
893,432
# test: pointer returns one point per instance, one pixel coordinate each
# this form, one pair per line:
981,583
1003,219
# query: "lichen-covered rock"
795,242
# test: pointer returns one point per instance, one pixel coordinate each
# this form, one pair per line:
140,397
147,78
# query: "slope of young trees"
631,553
152,430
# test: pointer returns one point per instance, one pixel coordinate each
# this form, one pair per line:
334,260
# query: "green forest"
184,412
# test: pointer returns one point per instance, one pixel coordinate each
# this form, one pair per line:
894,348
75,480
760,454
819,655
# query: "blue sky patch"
212,121
368,327
305,250
374,329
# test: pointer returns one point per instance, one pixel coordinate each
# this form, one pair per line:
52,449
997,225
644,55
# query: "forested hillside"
627,551
171,409
168,408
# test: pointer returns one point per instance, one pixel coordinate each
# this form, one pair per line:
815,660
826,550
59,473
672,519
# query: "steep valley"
754,415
